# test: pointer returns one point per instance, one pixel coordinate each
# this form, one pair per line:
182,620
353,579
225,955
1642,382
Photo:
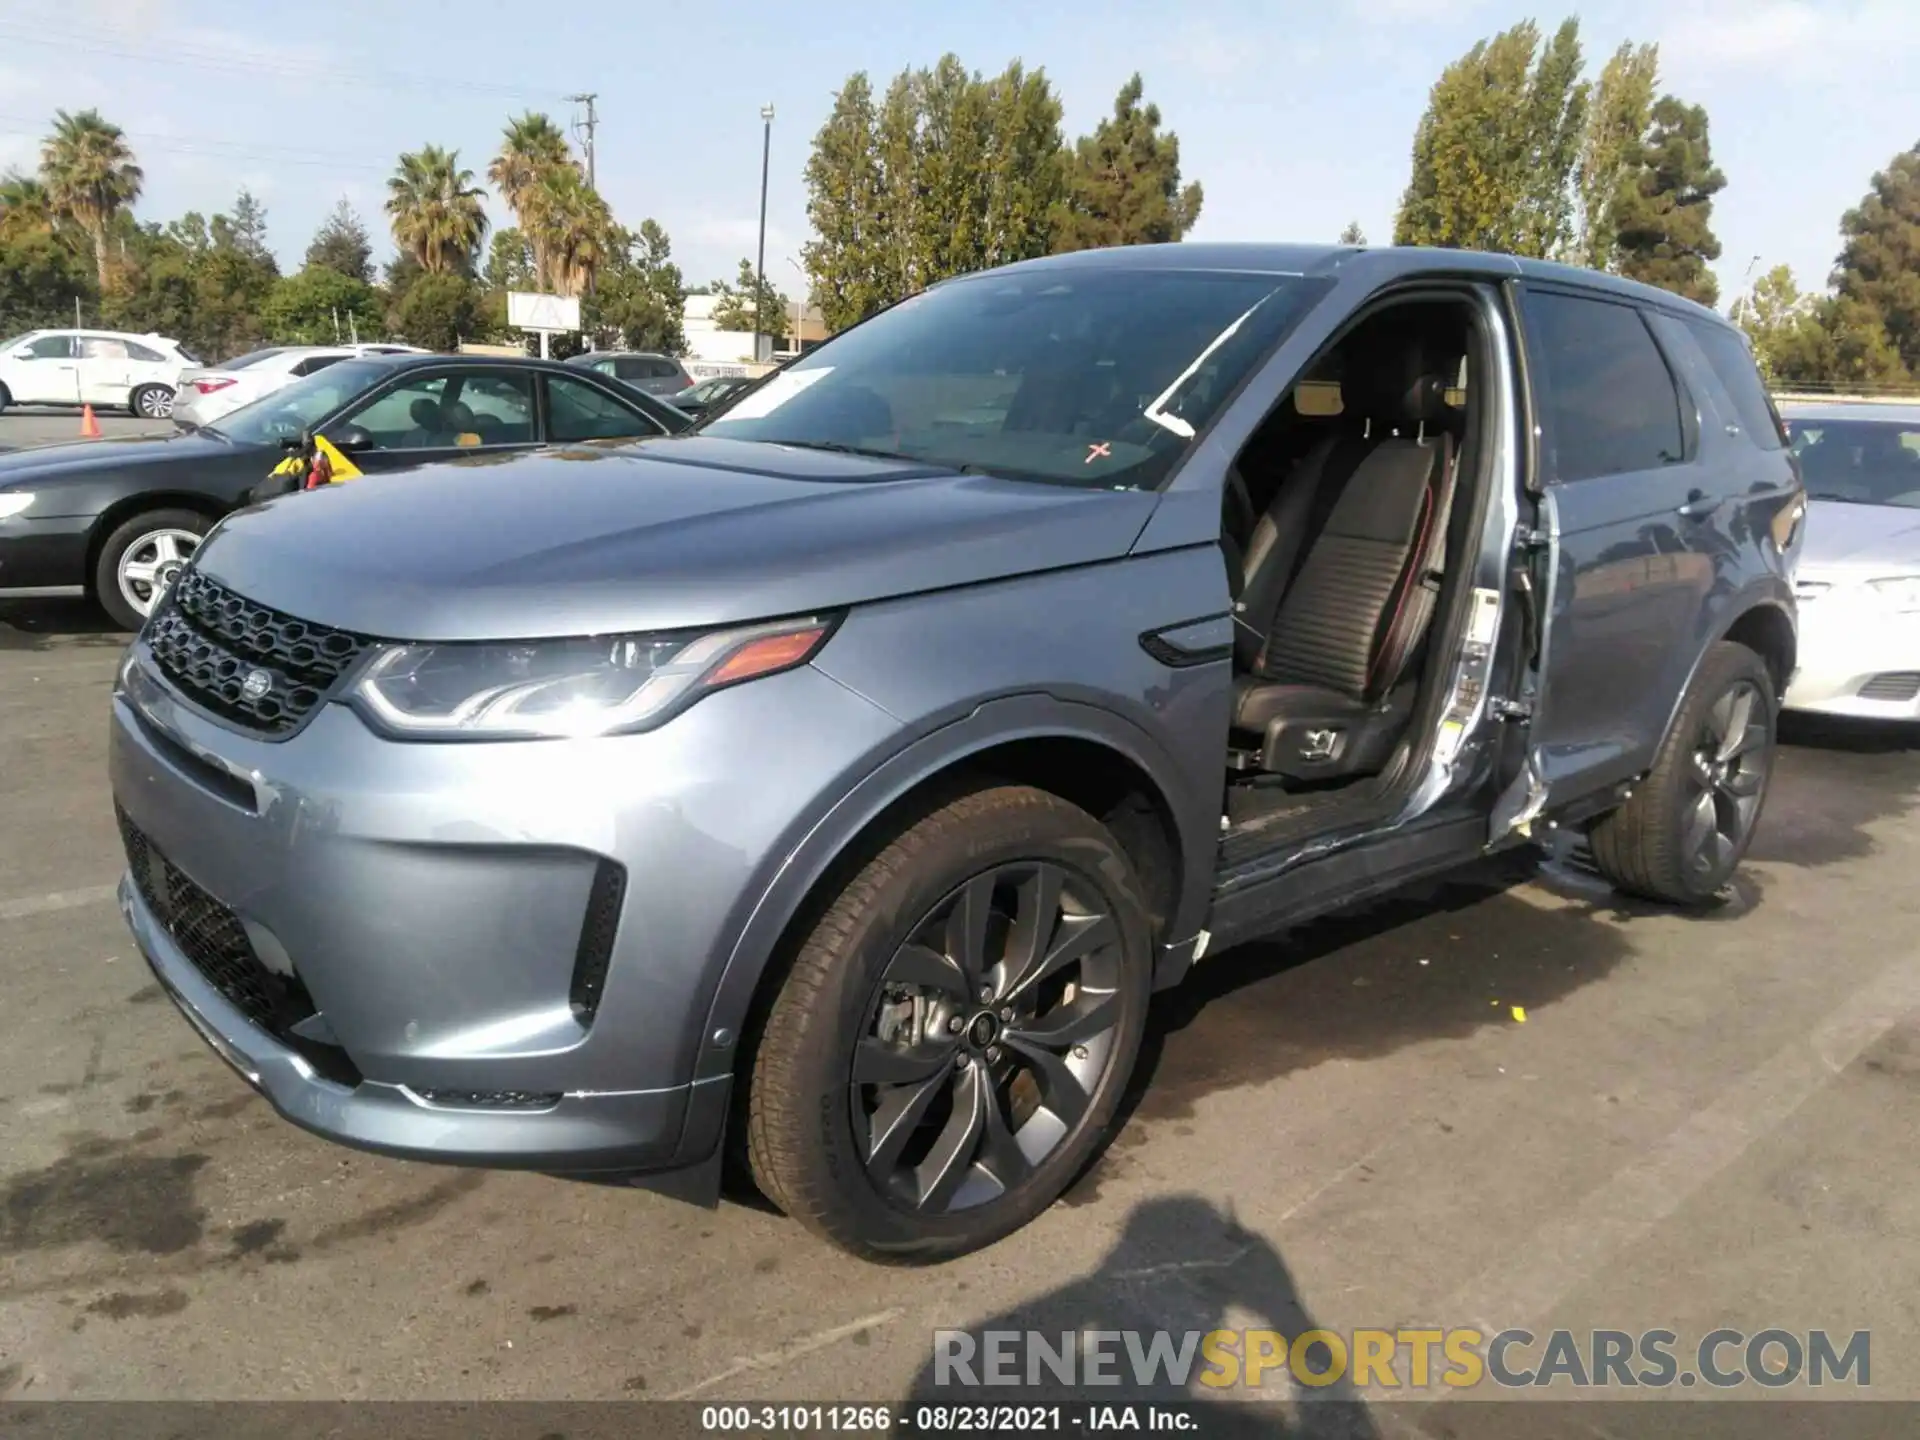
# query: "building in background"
712,351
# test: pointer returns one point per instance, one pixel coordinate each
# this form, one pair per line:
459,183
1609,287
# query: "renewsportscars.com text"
1401,1358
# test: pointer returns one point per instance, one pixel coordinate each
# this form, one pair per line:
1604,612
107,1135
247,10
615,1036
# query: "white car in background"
107,369
209,392
1859,577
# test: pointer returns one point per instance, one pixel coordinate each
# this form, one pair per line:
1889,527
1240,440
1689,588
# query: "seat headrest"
424,412
1393,381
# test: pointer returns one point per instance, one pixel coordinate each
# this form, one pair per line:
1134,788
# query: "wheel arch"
1088,756
1764,624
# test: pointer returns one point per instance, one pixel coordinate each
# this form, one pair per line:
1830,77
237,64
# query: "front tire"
151,402
952,1041
141,559
1691,820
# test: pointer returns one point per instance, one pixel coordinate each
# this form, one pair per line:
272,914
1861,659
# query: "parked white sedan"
107,369
1859,575
212,391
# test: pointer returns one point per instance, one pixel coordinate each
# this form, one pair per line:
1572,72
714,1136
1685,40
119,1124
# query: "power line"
220,148
348,74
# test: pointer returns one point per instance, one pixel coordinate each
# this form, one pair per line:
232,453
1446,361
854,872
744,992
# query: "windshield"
288,413
252,357
1859,462
1093,377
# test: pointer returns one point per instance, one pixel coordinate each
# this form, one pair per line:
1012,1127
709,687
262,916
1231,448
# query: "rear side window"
663,370
1727,352
316,362
1608,401
144,355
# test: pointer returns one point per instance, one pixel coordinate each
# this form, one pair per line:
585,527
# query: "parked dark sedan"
710,397
116,519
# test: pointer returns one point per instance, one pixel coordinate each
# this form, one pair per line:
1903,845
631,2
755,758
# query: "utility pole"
587,126
760,262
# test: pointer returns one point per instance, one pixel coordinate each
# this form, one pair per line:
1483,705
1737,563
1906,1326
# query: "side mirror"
23,353
349,438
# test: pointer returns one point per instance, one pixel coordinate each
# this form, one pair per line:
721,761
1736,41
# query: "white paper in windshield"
775,393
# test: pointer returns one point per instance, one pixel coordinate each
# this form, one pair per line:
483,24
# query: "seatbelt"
1432,572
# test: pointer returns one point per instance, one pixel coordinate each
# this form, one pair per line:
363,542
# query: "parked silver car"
1859,576
844,777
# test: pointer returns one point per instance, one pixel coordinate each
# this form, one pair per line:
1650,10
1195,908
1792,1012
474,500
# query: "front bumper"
1857,658
432,903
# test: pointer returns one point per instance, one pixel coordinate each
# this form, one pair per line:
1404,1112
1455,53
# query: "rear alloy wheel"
142,559
1691,820
152,402
953,1040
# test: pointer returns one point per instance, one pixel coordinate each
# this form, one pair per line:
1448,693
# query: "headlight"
1900,591
544,689
12,502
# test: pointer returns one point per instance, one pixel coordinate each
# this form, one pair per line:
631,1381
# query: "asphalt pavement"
1505,1100
26,428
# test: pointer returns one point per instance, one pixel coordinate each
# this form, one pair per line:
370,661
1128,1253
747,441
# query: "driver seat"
1332,679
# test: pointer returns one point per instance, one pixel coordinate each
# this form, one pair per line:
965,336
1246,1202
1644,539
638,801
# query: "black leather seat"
1341,574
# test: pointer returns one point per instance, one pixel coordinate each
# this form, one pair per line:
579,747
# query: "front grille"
1893,685
210,643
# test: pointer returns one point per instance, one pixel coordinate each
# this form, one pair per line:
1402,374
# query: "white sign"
551,313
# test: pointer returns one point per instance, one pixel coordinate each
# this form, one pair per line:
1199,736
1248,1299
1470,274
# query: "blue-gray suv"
825,793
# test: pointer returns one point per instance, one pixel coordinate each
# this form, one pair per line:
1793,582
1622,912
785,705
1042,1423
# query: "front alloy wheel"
952,1041
992,1029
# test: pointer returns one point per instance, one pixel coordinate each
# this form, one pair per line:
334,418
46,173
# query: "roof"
1896,412
1377,264
411,360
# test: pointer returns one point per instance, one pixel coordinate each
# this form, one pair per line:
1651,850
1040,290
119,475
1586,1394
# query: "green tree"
1664,216
41,277
532,149
1878,271
1353,234
439,310
844,206
342,245
247,228
1786,329
1124,181
25,206
1617,121
1495,152
320,306
640,300
567,225
437,213
204,280
510,261
735,308
89,173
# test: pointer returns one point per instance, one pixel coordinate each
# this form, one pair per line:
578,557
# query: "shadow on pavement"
51,624
1182,1266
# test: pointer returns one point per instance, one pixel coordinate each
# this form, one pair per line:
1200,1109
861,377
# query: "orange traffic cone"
89,427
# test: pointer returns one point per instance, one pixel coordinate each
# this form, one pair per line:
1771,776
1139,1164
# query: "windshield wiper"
835,447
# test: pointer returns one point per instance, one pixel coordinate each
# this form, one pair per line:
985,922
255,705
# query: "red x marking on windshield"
1099,450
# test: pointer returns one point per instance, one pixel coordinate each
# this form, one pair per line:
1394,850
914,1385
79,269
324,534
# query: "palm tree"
568,223
531,148
89,174
436,210
24,206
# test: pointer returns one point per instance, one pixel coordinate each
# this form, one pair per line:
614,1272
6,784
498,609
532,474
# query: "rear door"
106,370
1630,562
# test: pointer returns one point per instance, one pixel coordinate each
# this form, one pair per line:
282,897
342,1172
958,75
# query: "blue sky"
1296,117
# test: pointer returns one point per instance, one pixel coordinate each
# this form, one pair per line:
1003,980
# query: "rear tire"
988,1105
1690,821
141,558
150,402
5,399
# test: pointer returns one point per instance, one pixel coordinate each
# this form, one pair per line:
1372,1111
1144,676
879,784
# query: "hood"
1844,538
118,453
658,535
